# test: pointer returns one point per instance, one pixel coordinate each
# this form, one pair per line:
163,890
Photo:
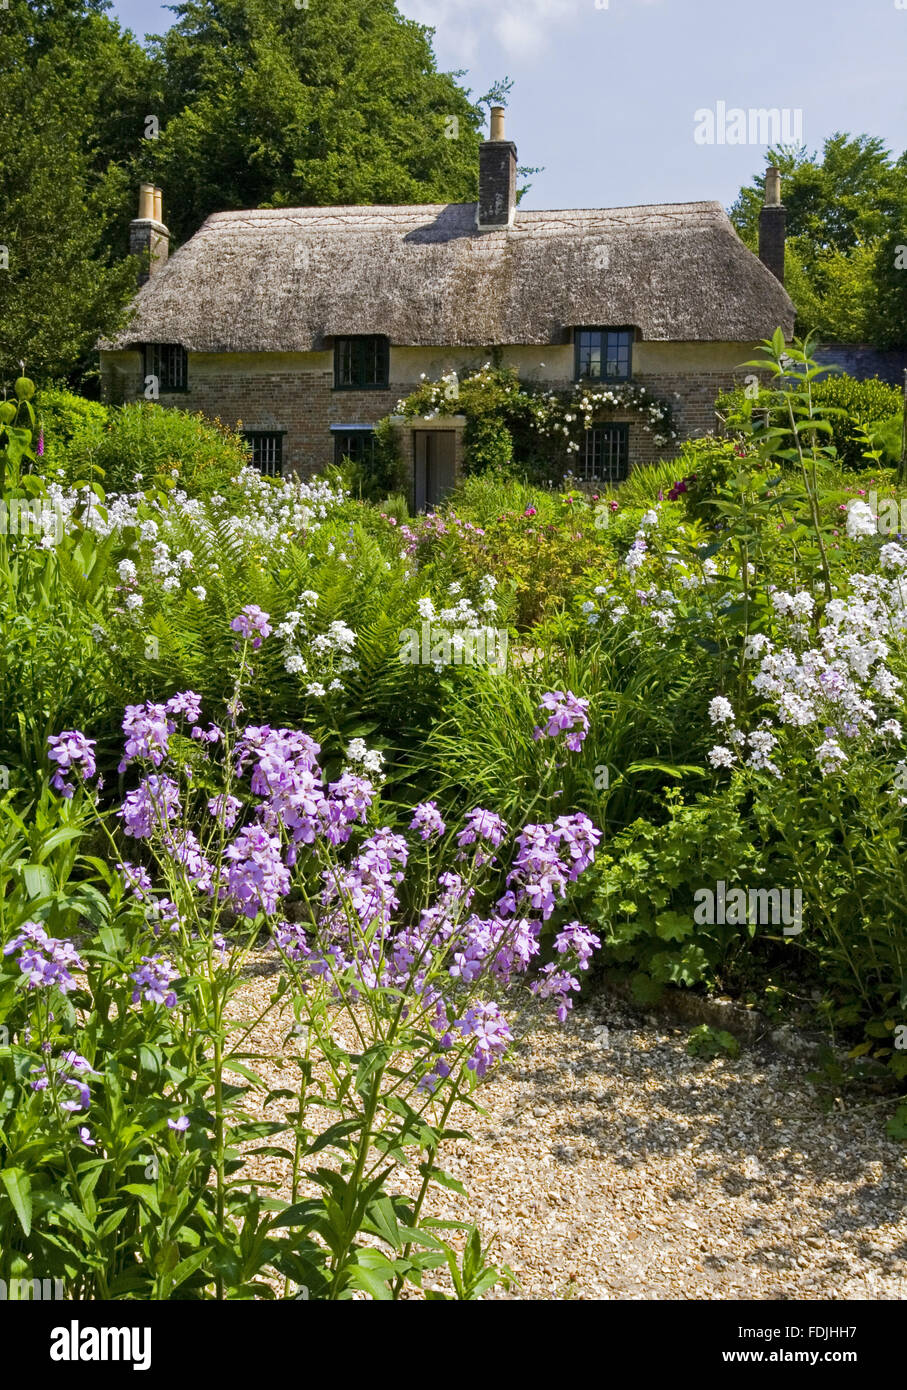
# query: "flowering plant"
395,953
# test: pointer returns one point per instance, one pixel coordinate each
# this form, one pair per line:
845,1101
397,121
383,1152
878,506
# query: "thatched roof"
290,279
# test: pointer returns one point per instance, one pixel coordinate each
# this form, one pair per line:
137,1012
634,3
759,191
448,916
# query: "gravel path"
611,1165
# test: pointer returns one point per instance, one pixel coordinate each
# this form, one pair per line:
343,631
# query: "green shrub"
872,403
63,417
144,441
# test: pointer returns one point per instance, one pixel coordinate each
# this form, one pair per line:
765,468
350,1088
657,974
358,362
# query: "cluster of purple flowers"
427,820
152,981
154,803
45,960
69,1070
148,727
567,714
72,752
252,623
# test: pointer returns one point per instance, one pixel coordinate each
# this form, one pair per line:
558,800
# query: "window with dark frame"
357,445
605,454
267,451
361,364
169,362
603,354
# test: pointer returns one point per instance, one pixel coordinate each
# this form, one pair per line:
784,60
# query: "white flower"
891,726
830,756
720,711
201,593
426,608
127,571
860,520
134,601
148,530
294,665
756,643
719,756
315,688
893,556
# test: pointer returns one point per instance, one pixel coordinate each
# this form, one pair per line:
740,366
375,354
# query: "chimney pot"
773,225
148,237
497,178
772,187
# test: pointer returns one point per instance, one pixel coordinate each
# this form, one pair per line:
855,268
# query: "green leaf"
18,1188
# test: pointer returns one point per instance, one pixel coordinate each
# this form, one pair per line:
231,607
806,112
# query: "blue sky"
606,91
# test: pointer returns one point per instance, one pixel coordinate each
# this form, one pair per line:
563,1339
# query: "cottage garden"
438,779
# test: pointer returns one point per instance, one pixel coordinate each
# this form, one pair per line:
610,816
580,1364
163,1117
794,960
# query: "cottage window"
267,451
605,453
361,364
604,354
357,445
169,363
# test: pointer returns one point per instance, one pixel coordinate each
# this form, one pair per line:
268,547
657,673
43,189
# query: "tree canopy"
846,218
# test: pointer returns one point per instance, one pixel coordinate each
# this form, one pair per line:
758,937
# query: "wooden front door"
435,453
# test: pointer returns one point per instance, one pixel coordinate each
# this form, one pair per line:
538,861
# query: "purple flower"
427,820
147,731
137,878
152,981
579,941
184,849
40,448
225,809
489,1027
46,961
186,703
71,751
556,984
567,715
482,825
180,1125
258,877
151,806
85,1136
252,622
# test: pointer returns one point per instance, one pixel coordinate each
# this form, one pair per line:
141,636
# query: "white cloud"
519,27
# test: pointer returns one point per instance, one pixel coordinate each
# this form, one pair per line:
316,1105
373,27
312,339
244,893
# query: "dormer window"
603,354
361,364
169,364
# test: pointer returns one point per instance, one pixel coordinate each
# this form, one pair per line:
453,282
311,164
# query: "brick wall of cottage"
294,393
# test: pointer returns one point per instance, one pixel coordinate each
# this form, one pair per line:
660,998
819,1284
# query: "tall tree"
70,93
846,214
273,103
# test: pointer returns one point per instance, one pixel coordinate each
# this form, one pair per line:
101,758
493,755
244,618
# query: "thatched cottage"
309,324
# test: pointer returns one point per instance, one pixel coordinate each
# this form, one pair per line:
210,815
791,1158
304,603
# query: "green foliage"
510,422
333,103
846,213
71,109
850,405
144,443
709,1043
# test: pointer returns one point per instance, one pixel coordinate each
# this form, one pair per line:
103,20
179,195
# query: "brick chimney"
773,225
148,237
497,177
